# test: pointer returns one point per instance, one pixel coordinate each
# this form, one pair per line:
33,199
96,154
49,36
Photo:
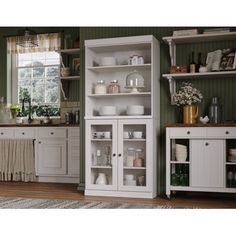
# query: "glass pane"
52,71
24,82
38,72
38,93
52,91
23,92
25,73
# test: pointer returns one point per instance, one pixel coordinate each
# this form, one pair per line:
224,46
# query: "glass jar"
114,87
134,81
130,156
100,87
139,161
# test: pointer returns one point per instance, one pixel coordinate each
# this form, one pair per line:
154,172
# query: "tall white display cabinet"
110,167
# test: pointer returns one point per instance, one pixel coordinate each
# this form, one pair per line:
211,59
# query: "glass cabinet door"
134,155
101,149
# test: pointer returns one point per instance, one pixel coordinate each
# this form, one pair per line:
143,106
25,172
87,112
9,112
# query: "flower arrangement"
187,95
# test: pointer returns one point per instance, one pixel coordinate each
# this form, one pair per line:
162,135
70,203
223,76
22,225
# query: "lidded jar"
139,160
100,87
215,111
114,87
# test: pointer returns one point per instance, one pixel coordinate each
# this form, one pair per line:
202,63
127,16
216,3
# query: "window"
34,75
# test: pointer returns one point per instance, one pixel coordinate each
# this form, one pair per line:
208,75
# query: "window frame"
14,80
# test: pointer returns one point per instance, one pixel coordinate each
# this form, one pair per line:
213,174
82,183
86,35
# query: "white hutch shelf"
117,170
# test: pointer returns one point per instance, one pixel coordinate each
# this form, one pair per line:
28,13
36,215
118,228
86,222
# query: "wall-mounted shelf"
71,51
172,41
73,77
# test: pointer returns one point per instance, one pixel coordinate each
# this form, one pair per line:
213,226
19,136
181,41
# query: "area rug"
26,203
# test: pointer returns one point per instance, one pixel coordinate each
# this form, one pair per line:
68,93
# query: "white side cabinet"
110,169
208,167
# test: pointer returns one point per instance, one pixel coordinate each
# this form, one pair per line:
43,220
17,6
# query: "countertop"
227,124
39,125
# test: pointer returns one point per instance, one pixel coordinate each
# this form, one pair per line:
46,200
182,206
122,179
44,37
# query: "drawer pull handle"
206,144
2,133
188,132
119,154
51,133
226,132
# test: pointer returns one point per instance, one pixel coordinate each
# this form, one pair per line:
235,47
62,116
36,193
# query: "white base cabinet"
124,176
208,166
57,154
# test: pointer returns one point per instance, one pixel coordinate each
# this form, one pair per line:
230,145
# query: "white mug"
137,134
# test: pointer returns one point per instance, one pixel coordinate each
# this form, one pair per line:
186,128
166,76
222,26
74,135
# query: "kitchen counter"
227,124
39,125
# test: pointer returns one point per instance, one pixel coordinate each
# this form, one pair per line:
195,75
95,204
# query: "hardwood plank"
69,192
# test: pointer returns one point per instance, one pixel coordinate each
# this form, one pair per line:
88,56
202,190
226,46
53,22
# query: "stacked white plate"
232,155
180,152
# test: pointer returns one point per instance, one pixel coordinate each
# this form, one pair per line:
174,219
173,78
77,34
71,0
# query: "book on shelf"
228,60
185,32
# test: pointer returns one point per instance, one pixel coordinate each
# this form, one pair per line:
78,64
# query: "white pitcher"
101,179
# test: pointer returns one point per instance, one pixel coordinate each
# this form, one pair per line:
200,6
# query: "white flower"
187,95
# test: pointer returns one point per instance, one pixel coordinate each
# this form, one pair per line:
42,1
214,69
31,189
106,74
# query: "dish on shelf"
107,111
107,61
135,110
130,182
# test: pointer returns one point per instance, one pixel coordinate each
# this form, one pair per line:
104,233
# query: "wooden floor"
69,192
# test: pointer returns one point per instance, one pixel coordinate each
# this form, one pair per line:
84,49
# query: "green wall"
223,87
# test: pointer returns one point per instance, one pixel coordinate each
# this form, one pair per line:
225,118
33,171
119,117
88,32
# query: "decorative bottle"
215,111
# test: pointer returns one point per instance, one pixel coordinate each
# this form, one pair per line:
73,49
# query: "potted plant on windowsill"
188,97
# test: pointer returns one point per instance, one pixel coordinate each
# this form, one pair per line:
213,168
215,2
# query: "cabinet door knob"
51,133
113,154
206,144
39,142
119,154
226,132
188,132
23,133
2,133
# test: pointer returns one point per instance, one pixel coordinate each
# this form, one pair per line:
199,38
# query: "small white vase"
101,179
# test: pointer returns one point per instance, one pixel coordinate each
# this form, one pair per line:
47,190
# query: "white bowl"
107,61
129,177
135,110
130,182
181,157
107,111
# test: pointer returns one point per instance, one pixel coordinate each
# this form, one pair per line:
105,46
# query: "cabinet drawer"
73,132
52,132
187,132
221,132
25,133
6,133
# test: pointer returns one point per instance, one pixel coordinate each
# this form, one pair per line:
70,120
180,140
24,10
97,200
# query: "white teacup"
107,134
137,134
